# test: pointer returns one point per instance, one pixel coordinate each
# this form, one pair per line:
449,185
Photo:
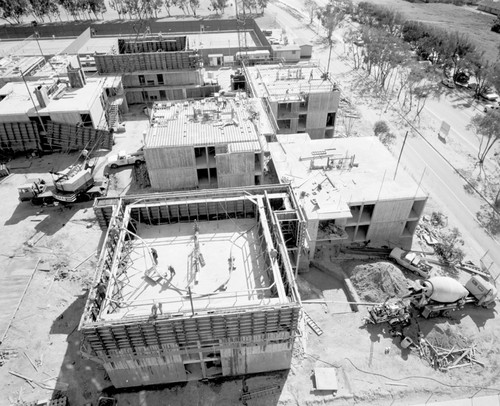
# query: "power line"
366,80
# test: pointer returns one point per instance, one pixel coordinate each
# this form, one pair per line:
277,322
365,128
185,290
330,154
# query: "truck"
411,261
433,297
74,184
442,295
125,158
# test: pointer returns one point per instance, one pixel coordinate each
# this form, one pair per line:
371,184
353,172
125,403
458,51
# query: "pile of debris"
445,359
5,355
378,281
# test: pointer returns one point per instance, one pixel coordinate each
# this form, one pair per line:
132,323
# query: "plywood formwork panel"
392,210
235,163
387,232
318,106
162,158
251,355
19,137
247,179
173,178
110,336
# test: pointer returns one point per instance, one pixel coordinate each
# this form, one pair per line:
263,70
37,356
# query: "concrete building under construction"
208,143
298,98
194,285
350,190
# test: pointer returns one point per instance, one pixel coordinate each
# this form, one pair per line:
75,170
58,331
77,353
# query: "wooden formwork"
19,137
70,137
146,62
222,341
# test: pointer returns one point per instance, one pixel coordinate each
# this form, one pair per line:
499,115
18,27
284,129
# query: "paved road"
443,185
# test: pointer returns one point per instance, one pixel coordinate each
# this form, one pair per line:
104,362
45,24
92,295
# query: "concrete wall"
256,358
136,353
188,77
237,169
319,105
146,371
171,168
66,117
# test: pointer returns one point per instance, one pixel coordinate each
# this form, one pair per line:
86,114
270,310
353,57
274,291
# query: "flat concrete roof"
18,101
57,65
222,120
224,39
369,180
12,67
29,47
101,45
282,82
214,285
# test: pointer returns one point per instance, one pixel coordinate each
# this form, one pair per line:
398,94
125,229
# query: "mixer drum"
444,289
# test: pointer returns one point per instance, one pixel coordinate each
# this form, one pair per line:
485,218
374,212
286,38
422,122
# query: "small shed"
305,47
286,53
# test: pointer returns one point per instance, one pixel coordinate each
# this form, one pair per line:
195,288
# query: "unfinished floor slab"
229,269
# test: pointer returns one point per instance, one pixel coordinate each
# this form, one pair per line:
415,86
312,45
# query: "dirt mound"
378,281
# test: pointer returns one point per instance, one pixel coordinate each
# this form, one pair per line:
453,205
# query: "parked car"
448,83
491,107
489,95
124,158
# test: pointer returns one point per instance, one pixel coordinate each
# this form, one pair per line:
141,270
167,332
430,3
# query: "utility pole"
400,154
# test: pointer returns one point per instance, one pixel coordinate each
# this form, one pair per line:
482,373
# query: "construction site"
189,226
195,285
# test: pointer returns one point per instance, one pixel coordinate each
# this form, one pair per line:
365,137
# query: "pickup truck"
125,158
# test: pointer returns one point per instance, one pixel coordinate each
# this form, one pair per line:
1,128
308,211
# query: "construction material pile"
378,281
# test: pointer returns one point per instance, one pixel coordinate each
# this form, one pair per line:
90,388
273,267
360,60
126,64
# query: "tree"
72,7
331,17
448,248
219,5
168,5
96,7
194,4
118,6
487,127
12,10
311,7
151,7
182,4
353,38
489,219
262,5
43,8
383,132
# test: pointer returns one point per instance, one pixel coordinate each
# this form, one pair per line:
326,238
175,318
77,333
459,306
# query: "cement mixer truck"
441,295
433,297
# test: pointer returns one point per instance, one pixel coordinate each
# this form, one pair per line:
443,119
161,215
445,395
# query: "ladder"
312,324
271,390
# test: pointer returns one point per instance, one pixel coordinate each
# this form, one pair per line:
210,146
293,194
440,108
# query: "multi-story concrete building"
54,113
349,190
208,143
299,98
195,285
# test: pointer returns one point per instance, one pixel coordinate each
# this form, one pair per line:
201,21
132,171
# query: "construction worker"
172,271
154,254
156,309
